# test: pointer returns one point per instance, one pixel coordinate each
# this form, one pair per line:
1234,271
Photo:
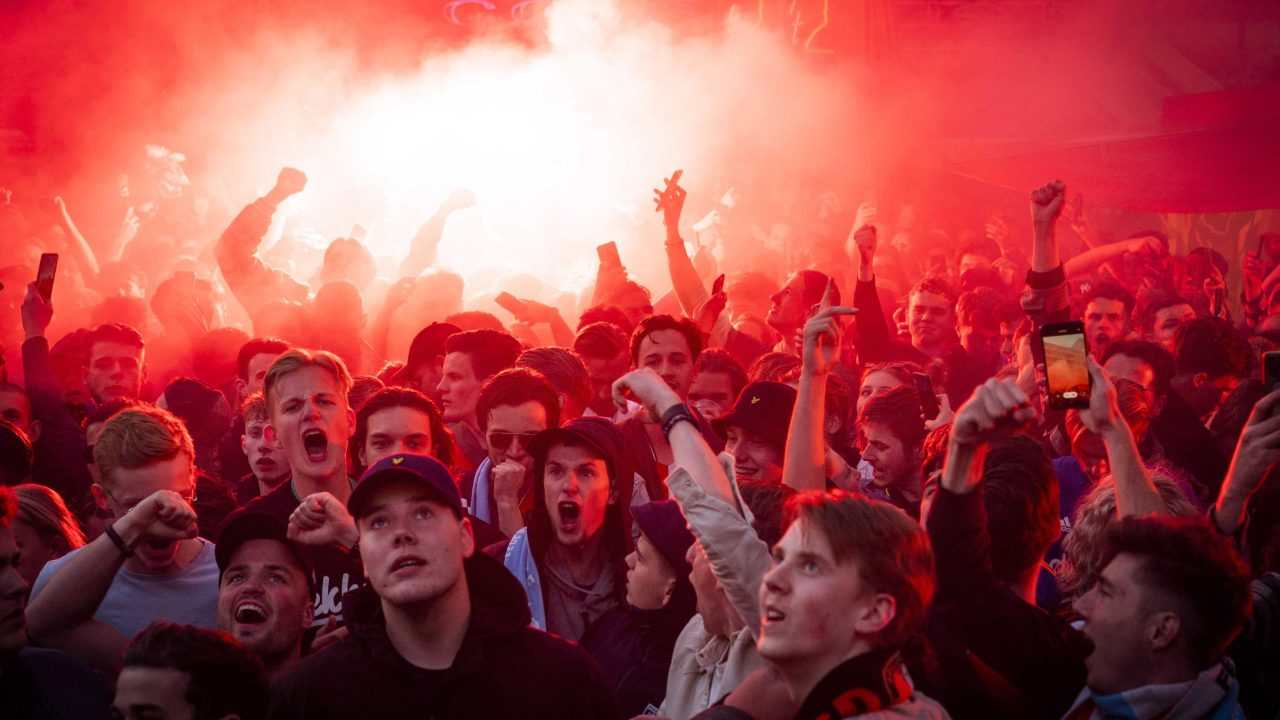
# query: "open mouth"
570,515
773,615
316,445
250,612
406,563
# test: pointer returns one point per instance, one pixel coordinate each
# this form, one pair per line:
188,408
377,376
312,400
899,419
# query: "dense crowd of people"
839,492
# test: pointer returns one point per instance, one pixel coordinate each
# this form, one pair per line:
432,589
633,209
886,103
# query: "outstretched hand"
821,345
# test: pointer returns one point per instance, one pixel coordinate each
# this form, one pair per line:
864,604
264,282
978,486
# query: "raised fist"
1046,202
291,181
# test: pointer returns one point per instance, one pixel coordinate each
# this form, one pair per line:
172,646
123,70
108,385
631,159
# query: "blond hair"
139,436
253,408
299,358
43,510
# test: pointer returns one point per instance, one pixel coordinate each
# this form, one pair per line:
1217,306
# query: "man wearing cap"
633,643
264,591
570,557
756,431
439,630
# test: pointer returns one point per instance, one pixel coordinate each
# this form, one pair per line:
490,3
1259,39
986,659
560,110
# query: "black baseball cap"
248,524
764,409
598,434
421,469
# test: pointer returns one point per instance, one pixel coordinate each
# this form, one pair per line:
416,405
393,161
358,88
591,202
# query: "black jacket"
995,655
504,669
634,648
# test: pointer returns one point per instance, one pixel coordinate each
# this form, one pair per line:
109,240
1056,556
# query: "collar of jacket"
498,609
867,683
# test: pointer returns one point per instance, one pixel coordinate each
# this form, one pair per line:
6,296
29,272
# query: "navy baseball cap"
421,469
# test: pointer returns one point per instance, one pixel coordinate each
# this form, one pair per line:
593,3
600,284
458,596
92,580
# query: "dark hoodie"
634,648
604,438
503,669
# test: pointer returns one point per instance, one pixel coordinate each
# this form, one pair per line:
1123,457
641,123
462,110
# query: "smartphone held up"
1066,360
44,276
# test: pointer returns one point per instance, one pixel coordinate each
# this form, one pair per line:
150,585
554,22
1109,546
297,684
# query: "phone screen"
928,398
1271,370
44,276
1067,365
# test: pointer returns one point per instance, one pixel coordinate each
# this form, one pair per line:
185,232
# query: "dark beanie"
662,523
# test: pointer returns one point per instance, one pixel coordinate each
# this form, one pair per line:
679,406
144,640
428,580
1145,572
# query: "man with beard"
439,630
267,466
264,593
571,557
306,396
148,564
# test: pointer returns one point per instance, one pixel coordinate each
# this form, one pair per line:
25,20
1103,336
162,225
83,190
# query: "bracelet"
125,550
674,416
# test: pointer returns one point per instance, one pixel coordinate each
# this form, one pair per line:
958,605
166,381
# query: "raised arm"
71,596
873,332
1045,300
684,277
426,243
688,448
1087,261
1136,494
806,451
251,280
80,247
1257,451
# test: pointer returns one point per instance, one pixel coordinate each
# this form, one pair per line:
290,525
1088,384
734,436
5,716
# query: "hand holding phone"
1066,357
44,276
928,398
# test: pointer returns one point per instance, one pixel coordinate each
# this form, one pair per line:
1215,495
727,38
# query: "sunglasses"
499,440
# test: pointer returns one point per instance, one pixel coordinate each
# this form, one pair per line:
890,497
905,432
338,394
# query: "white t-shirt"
136,600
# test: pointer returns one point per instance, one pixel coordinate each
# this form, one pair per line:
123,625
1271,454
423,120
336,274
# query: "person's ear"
242,389
99,495
831,424
351,423
308,612
876,614
468,537
35,431
244,445
1163,630
669,591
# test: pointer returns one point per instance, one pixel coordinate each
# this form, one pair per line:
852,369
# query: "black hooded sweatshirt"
503,669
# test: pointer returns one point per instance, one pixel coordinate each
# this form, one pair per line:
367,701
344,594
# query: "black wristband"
674,415
111,533
1046,280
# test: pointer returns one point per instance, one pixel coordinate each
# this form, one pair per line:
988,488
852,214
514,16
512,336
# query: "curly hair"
1082,548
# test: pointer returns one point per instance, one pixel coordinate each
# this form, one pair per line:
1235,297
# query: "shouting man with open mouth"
571,556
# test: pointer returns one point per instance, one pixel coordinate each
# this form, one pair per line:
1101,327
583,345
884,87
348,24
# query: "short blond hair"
299,358
139,436
253,408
